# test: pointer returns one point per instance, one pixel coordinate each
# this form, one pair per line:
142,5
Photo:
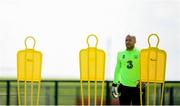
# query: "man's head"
130,42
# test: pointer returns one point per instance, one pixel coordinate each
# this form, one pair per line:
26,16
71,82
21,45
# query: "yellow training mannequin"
153,64
92,66
29,63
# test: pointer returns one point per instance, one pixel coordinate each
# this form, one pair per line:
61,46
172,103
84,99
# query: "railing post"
171,98
8,93
56,93
108,98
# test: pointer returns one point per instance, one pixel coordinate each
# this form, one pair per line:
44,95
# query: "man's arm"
116,78
117,71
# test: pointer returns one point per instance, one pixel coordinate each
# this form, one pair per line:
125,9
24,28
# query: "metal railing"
67,92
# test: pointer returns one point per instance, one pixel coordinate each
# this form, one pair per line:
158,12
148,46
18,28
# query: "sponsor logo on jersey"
123,56
136,56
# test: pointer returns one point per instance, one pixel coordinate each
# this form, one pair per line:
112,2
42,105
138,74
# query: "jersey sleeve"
117,70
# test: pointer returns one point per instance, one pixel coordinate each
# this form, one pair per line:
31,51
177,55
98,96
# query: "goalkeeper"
127,74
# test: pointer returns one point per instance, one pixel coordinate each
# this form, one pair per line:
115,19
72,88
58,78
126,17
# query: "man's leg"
124,98
136,96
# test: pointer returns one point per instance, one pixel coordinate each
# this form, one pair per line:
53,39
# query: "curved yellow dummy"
92,66
29,71
153,64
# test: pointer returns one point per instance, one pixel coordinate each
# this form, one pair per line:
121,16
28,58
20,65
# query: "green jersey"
127,71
